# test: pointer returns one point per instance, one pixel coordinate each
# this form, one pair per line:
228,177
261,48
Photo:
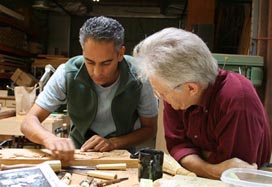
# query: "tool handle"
118,166
109,182
102,174
67,178
54,164
15,166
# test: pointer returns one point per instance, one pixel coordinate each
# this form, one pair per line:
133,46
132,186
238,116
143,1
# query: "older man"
213,118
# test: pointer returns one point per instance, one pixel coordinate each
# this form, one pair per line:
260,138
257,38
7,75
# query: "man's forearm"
197,165
32,129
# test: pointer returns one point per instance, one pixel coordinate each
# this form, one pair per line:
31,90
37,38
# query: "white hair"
176,56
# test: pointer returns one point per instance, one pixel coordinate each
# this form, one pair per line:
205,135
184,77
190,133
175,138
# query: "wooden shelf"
7,21
14,51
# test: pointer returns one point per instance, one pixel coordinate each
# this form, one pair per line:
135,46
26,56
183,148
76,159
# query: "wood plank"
15,51
200,12
36,156
11,12
40,63
10,126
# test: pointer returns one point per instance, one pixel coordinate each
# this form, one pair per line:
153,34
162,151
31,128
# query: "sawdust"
26,153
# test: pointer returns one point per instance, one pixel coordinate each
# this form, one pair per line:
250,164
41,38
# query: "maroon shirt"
229,122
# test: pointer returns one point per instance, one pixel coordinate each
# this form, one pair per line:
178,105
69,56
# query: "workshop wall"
136,29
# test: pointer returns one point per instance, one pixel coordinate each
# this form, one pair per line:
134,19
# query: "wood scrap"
171,166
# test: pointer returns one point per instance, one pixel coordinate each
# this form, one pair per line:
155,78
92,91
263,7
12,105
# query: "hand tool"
86,182
4,143
109,182
66,178
102,174
54,164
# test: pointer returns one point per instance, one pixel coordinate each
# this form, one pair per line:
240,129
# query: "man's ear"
121,53
193,88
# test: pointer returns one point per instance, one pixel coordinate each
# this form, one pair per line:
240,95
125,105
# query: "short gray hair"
102,29
177,57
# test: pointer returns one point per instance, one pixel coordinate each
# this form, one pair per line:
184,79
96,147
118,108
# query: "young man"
109,108
213,119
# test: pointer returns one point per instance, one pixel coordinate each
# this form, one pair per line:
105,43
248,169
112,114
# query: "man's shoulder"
74,63
235,82
129,61
234,88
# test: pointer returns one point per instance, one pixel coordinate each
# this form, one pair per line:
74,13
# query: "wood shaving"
97,155
34,155
26,153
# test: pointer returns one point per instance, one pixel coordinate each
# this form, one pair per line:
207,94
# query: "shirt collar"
208,93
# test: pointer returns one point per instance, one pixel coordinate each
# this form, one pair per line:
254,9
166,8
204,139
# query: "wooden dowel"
118,166
54,164
102,174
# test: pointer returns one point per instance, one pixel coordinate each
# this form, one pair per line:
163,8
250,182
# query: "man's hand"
233,163
98,143
62,148
214,171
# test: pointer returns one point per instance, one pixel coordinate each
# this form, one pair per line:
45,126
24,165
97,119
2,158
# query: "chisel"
56,166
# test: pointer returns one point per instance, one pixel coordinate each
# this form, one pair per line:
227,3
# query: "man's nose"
97,70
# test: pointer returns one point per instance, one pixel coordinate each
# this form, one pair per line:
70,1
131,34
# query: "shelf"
5,75
14,51
7,21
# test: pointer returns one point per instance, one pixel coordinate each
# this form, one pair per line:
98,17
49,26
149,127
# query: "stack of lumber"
42,60
10,63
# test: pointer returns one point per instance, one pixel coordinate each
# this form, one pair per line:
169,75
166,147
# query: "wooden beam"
11,13
264,49
268,90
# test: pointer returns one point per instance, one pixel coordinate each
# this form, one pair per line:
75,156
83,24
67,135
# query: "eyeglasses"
163,96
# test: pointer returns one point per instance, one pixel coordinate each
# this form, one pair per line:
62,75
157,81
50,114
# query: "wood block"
36,156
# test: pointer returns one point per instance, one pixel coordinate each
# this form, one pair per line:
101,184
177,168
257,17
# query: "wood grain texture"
36,156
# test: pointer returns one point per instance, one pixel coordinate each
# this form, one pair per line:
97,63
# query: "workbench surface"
11,125
36,156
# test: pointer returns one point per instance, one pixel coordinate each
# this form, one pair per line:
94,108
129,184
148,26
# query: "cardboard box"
22,78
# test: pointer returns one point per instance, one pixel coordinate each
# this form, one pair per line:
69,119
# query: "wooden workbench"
35,156
11,125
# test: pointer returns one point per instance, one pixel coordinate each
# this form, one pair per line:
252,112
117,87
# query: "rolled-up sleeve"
148,105
54,93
